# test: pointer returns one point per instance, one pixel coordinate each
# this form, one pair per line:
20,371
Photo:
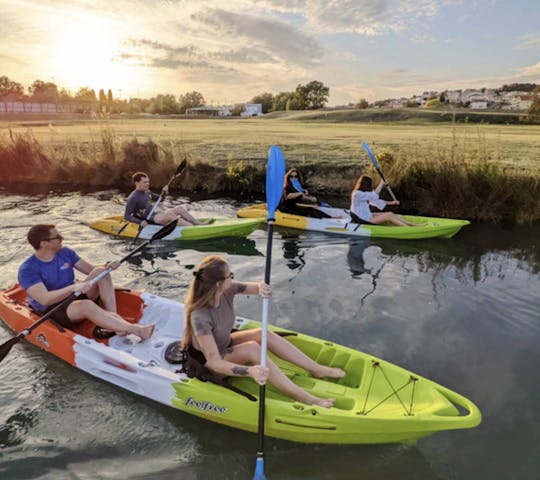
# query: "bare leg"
104,289
80,310
250,352
383,217
163,218
286,350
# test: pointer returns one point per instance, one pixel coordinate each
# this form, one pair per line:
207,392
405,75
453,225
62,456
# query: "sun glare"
86,55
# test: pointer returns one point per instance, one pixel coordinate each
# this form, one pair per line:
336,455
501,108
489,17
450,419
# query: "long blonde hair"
202,291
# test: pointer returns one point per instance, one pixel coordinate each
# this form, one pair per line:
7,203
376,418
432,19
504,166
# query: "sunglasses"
58,237
231,276
293,176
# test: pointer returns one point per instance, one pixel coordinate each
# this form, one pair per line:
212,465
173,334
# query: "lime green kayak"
342,224
376,401
219,227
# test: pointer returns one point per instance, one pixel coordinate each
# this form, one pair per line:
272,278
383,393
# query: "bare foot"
330,372
145,332
121,333
323,402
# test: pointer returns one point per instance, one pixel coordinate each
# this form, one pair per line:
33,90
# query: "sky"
232,50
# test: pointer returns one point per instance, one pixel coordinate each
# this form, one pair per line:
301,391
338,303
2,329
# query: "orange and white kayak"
376,401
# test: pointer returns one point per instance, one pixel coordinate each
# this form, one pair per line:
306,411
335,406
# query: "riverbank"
482,173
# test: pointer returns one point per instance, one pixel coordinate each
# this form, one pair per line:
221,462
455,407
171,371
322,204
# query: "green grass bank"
482,172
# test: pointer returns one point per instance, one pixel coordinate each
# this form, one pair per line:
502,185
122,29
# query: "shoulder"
31,263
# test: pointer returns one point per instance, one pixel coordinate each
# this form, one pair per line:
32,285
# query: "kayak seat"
192,364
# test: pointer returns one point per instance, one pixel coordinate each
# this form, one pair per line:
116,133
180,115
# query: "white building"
252,110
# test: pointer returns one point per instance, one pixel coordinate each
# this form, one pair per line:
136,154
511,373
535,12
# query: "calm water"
463,312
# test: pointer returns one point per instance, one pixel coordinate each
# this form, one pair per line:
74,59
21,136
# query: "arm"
40,293
82,266
256,288
131,208
219,365
379,187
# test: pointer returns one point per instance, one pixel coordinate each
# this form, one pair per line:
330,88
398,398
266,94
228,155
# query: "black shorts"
61,316
356,219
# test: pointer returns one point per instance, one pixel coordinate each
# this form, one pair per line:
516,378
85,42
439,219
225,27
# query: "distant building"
252,110
521,102
209,110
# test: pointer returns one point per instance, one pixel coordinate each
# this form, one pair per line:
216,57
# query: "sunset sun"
87,56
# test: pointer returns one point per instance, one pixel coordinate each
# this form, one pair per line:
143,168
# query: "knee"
82,308
253,350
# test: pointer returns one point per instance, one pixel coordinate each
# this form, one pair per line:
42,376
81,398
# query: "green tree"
533,114
432,103
362,104
10,91
266,100
43,92
313,95
102,100
164,104
85,94
280,101
237,109
190,100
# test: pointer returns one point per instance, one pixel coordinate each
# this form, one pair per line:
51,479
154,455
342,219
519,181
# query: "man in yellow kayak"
139,207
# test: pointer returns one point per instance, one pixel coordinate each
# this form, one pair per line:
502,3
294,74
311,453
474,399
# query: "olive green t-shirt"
218,321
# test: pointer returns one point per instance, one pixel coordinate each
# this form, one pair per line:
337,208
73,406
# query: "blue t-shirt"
56,274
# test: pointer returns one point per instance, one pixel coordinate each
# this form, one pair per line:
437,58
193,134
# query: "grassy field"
213,140
477,171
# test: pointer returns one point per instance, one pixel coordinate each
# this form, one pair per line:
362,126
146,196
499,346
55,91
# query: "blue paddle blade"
296,184
371,155
275,174
259,470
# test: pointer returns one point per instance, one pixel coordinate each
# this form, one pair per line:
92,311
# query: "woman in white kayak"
296,199
363,196
209,319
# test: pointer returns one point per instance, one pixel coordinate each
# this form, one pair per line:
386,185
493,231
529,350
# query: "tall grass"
463,178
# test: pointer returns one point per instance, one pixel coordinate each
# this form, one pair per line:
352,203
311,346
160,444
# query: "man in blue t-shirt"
48,277
139,205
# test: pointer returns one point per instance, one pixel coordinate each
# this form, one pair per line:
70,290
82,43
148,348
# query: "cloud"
160,55
531,72
374,17
282,42
530,40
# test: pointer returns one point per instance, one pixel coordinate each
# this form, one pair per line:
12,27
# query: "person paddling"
139,206
48,277
295,197
363,196
209,319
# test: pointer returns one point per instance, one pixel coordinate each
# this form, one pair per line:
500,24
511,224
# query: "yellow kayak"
219,227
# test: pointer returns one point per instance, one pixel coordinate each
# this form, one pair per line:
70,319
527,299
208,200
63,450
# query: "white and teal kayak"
343,225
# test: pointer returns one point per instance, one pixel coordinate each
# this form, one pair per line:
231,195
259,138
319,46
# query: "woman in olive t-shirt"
209,319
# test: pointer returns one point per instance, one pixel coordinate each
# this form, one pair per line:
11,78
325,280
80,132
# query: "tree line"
311,96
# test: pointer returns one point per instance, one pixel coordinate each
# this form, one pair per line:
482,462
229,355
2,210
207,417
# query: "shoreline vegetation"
483,173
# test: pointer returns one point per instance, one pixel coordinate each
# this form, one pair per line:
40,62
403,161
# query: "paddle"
275,174
298,187
376,165
6,346
179,170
